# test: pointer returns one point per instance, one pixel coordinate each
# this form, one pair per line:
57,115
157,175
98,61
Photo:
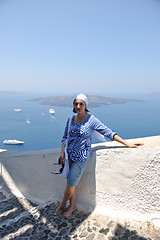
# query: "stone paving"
21,219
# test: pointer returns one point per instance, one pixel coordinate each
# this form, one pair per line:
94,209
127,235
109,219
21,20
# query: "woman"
79,147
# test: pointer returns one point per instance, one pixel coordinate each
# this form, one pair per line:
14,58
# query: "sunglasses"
59,163
81,104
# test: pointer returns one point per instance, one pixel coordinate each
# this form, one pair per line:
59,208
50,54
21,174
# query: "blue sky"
68,46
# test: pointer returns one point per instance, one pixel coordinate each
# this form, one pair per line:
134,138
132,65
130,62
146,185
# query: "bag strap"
69,124
99,136
66,142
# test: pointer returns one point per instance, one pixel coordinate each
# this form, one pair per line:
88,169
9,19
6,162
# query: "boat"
13,142
17,110
28,121
51,110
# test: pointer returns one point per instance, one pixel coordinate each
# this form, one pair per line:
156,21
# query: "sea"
40,130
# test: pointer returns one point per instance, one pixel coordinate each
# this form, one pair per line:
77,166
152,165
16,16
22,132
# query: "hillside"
94,100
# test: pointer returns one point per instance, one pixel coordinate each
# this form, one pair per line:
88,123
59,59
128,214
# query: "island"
94,100
154,94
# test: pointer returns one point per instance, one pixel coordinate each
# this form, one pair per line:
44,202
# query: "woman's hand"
61,157
130,145
62,154
60,160
134,145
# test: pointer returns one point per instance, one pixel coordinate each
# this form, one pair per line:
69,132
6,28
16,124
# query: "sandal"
68,213
58,212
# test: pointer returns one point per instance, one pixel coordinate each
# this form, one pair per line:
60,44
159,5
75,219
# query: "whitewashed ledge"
118,181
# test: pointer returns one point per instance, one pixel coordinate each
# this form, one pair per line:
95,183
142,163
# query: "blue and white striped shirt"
79,140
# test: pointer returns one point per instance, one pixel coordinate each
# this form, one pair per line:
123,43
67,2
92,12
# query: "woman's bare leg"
73,199
72,205
68,194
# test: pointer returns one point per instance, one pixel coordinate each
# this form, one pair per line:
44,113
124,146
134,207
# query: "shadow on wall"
29,175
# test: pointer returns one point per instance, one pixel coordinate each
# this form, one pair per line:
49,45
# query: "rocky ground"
25,220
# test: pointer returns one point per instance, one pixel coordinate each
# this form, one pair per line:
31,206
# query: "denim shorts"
76,170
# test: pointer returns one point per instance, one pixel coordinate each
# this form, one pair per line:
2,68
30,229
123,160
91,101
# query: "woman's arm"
130,145
97,125
107,132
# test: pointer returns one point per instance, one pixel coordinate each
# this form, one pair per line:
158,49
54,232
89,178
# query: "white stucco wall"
118,180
